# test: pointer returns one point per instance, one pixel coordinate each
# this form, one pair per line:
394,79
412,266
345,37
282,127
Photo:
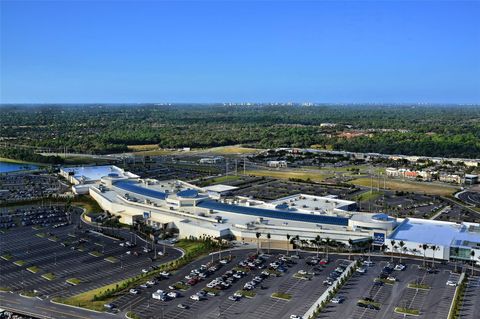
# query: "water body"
6,167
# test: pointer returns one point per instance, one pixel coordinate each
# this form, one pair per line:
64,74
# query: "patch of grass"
299,175
233,149
111,259
95,253
49,276
132,315
20,263
144,147
408,186
33,269
74,281
385,281
6,257
418,286
407,311
368,196
373,303
247,293
181,286
53,238
37,227
214,290
300,276
41,235
5,289
281,295
28,293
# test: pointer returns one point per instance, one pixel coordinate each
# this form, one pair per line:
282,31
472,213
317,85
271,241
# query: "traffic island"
281,295
407,311
33,269
49,276
19,263
73,281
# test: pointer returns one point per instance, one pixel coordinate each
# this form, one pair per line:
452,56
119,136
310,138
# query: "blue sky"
221,51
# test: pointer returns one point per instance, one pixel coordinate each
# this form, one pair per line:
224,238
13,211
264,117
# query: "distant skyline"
229,51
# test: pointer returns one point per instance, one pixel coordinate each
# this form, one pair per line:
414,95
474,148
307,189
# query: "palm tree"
258,242
472,254
433,248
457,250
268,237
370,244
318,242
288,243
393,245
350,244
327,243
424,247
297,239
401,244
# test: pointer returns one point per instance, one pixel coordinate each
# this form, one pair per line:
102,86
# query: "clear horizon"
324,52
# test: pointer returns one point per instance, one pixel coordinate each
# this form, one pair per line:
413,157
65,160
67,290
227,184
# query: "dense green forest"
450,131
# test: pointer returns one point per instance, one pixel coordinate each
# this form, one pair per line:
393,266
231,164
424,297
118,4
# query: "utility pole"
226,167
236,168
244,165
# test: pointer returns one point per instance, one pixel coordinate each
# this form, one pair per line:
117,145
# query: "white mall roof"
219,188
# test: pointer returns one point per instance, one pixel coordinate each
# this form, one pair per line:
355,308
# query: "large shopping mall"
196,211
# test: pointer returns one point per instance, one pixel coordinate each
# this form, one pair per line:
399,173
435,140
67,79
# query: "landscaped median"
247,293
95,299
458,297
95,253
33,269
49,276
281,295
41,235
132,315
111,259
414,285
7,256
73,281
407,311
20,263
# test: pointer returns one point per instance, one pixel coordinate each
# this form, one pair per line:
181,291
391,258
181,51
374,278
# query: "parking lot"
384,297
224,304
470,308
26,186
45,258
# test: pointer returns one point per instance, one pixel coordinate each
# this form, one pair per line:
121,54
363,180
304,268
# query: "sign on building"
146,215
378,239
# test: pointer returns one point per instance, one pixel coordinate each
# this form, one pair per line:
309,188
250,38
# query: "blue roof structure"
188,193
432,232
135,188
271,213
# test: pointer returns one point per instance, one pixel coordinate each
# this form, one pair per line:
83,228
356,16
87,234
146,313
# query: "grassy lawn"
302,175
408,186
33,269
5,289
111,259
41,235
408,311
132,315
95,253
7,257
74,281
228,150
368,196
418,286
28,293
19,263
48,276
282,295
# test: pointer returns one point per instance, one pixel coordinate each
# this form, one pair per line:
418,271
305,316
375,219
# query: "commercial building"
194,211
471,179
